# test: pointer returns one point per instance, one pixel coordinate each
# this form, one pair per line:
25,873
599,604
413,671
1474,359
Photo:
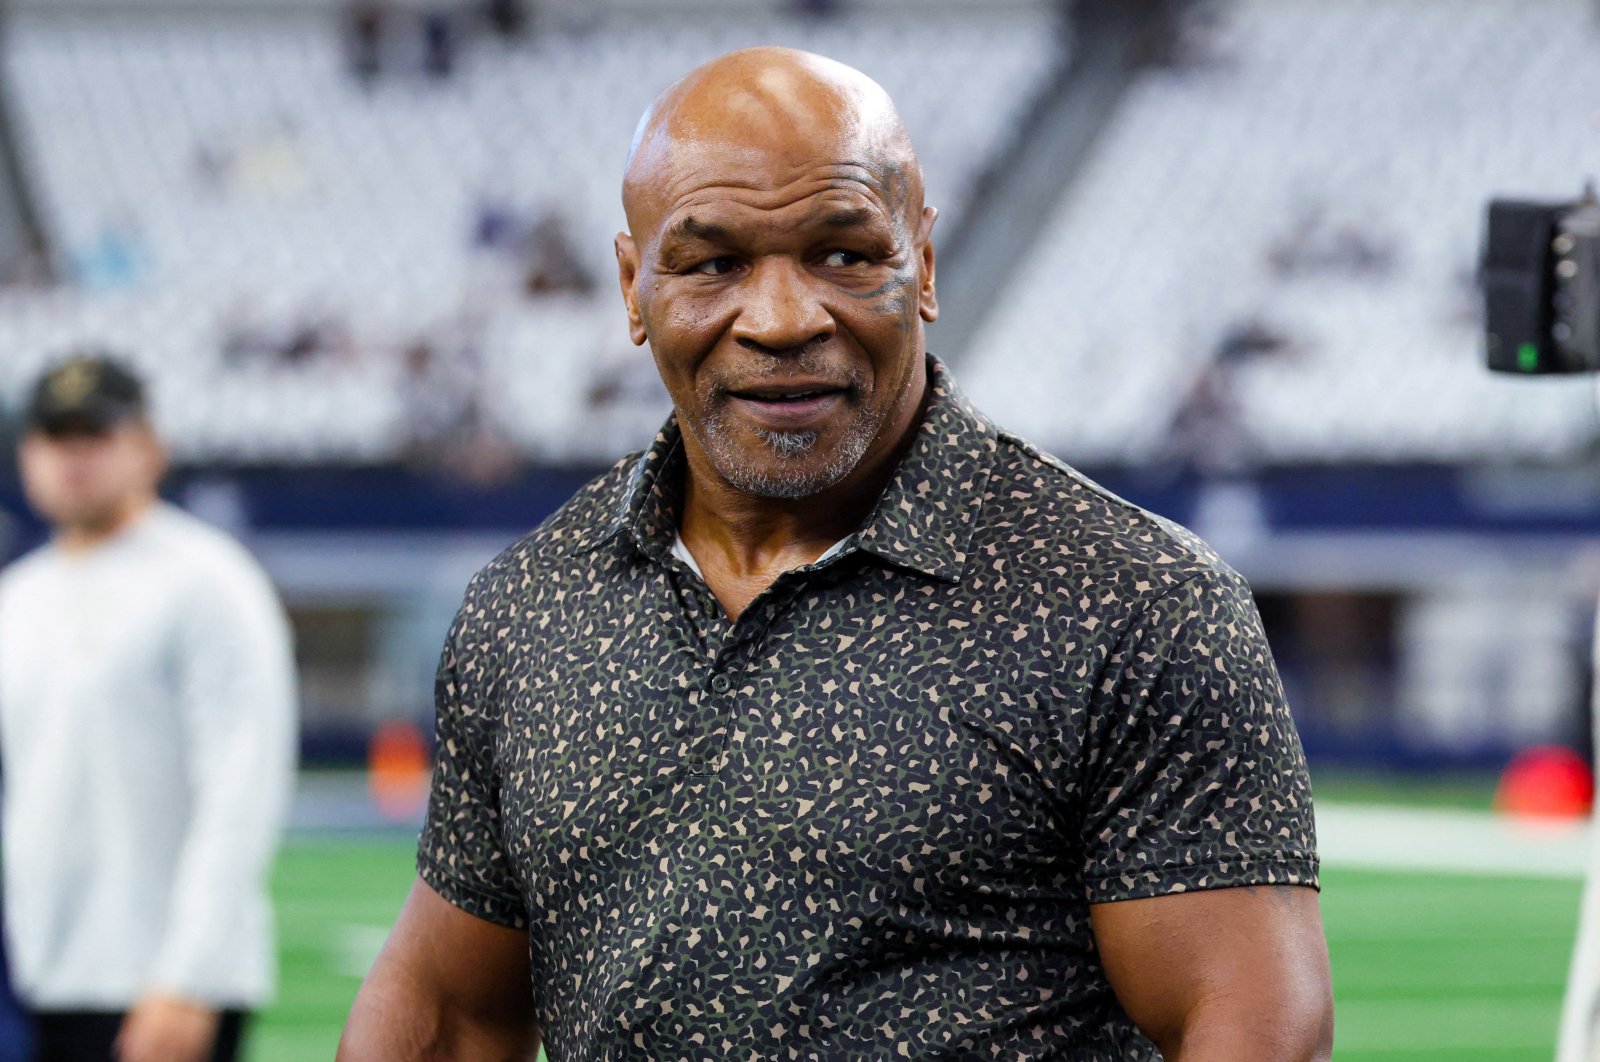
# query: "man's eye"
715,267
841,259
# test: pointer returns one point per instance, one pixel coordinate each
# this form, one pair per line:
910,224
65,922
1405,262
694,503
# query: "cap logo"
73,384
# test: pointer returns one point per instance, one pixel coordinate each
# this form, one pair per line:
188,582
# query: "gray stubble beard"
788,480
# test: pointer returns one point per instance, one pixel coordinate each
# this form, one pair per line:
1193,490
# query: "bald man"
840,723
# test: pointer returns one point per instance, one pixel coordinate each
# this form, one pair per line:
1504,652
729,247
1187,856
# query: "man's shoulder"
200,549
27,574
1057,521
174,526
579,525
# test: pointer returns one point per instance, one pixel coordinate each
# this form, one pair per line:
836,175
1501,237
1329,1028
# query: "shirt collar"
924,520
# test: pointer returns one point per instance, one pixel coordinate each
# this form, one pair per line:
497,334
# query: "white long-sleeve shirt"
147,736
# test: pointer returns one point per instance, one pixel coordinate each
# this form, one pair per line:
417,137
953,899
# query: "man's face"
87,480
783,302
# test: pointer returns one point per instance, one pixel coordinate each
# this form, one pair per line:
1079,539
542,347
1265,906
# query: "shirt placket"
728,654
709,633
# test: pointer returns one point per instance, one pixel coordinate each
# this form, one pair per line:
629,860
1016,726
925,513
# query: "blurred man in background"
147,730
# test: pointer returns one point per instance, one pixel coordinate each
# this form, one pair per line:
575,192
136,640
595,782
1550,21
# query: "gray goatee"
790,476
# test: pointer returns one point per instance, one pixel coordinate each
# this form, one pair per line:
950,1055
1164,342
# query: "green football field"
1426,966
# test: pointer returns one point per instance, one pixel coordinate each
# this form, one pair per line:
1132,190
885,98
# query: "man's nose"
782,310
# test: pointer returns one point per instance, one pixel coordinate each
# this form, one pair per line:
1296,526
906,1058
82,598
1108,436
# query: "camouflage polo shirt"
867,820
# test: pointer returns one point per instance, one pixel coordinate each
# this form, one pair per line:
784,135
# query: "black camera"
1541,286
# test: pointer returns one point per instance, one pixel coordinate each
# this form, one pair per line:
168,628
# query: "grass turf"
1466,790
1426,966
331,896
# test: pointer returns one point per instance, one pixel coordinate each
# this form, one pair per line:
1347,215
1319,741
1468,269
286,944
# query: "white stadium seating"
359,203
1395,120
1399,119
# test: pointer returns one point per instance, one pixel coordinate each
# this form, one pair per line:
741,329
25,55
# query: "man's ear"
927,297
158,458
628,277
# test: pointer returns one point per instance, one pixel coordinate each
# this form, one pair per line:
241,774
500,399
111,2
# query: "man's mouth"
788,407
786,397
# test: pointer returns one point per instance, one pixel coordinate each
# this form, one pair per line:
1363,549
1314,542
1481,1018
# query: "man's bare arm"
446,986
1232,975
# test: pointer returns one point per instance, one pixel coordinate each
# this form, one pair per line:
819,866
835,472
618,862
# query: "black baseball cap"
87,394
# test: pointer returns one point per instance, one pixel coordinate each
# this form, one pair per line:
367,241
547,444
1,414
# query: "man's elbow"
1294,1028
1322,1049
387,1024
1309,1033
1312,1013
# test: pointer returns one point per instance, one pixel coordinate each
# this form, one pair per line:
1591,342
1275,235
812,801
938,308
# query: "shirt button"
721,684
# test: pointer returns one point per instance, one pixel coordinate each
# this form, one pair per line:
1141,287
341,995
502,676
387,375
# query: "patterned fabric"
868,819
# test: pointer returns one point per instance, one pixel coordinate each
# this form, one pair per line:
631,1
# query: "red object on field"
1546,782
398,769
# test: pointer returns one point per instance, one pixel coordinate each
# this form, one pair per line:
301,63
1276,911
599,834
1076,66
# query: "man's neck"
81,538
750,535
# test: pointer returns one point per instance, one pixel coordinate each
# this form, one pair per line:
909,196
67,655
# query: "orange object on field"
1546,782
398,770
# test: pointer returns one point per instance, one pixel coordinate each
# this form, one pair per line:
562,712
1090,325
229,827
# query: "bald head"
785,108
779,263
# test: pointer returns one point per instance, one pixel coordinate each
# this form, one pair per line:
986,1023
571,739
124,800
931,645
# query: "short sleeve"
460,855
1196,779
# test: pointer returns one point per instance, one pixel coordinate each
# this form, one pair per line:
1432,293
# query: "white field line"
354,948
1450,841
